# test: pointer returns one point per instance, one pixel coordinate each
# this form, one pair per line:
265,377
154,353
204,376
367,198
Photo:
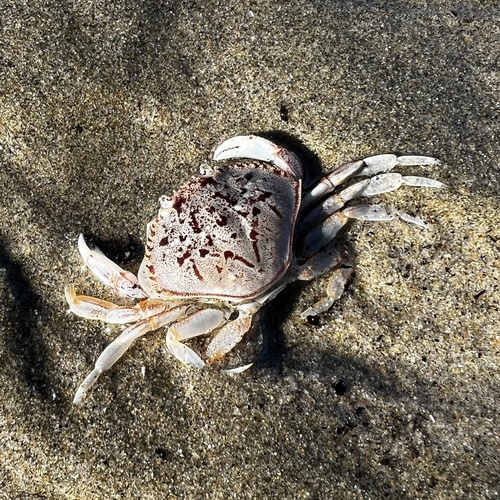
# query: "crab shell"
226,235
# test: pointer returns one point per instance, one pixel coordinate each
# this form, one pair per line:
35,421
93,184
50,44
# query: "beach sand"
394,394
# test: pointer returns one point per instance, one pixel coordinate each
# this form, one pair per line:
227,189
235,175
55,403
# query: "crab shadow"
270,323
126,252
310,161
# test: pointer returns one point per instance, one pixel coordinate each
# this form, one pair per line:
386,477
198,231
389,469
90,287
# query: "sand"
394,394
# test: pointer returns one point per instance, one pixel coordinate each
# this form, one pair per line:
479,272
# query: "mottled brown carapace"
228,234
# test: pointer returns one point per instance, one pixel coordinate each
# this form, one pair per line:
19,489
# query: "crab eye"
206,170
165,202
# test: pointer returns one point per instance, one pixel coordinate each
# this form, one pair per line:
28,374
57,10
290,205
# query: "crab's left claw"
182,352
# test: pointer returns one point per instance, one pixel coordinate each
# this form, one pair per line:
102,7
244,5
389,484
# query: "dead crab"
229,241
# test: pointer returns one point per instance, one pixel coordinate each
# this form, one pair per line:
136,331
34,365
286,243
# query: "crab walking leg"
382,183
334,290
258,148
94,308
117,348
123,282
199,323
228,336
367,167
328,183
333,255
324,232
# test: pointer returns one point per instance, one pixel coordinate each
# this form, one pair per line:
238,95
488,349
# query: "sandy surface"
104,107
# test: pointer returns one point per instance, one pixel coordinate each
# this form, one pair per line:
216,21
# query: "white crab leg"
199,323
332,255
381,213
258,148
379,184
111,274
94,308
228,336
328,183
334,290
383,163
324,232
367,167
407,161
117,348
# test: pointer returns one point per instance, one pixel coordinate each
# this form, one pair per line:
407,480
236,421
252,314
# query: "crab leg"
94,308
334,290
199,323
123,282
228,336
369,166
324,232
332,255
117,348
258,148
382,183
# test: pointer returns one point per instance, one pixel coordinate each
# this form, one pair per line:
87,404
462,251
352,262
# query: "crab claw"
258,148
228,336
111,274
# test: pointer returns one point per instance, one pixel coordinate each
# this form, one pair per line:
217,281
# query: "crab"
230,240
